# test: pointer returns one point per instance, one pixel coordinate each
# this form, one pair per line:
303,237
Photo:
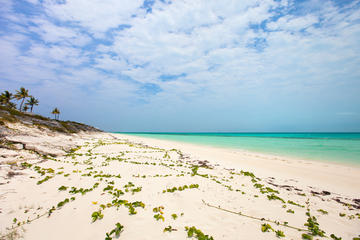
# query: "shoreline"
253,152
264,151
265,164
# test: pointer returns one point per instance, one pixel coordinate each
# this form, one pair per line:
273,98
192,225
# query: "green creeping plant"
174,216
313,226
194,170
26,165
290,211
279,233
294,203
228,187
119,202
134,190
335,237
342,214
109,187
166,155
83,191
170,190
159,216
130,184
138,204
169,229
268,189
106,176
62,188
44,180
249,174
197,233
266,227
117,230
43,171
131,209
51,210
258,185
275,197
130,206
264,190
60,204
97,215
181,188
306,236
117,193
322,211
158,209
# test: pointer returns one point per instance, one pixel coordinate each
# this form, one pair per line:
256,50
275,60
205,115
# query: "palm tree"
5,98
25,108
56,112
21,95
32,102
12,105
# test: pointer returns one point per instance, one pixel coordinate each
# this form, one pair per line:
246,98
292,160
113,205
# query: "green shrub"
197,233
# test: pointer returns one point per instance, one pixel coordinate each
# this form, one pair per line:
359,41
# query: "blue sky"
187,65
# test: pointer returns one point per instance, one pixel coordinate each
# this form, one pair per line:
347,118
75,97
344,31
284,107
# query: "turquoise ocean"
336,147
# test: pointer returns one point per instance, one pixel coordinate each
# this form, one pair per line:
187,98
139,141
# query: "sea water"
338,147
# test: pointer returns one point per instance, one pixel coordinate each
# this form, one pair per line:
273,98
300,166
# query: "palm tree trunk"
21,104
31,108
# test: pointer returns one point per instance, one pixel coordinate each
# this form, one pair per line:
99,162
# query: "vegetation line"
252,217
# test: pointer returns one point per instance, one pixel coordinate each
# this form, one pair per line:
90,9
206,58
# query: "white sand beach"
157,189
179,119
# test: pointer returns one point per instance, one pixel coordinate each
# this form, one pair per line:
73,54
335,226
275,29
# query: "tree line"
6,99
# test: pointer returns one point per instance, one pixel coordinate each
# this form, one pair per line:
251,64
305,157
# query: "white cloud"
33,1
293,24
173,40
109,63
98,16
52,33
